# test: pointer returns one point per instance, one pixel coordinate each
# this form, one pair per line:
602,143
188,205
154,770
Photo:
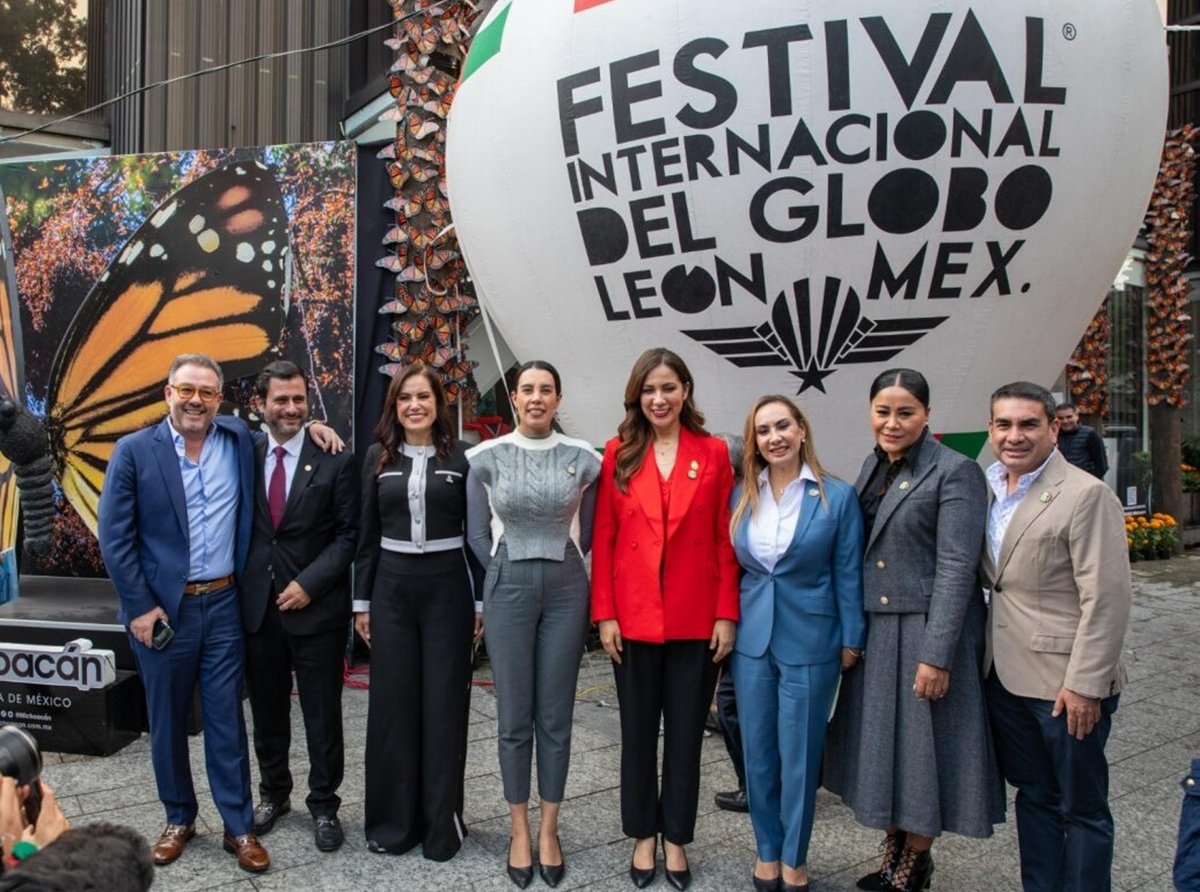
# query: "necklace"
780,490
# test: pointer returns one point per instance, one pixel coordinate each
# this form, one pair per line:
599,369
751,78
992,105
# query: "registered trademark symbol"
1069,31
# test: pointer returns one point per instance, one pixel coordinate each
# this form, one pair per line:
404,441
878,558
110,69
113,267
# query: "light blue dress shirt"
210,491
1005,503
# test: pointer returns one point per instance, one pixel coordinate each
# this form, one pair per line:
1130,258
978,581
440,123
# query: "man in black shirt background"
1079,444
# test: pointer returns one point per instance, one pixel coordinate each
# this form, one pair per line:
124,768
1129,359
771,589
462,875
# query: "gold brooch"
1045,497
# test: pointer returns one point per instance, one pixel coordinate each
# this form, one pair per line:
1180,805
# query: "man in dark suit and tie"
296,602
174,532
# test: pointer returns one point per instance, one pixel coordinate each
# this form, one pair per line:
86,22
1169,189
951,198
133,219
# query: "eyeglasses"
187,391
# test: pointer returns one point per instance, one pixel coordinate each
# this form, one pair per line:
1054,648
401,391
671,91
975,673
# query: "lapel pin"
570,469
692,474
695,466
903,485
1045,497
814,492
308,468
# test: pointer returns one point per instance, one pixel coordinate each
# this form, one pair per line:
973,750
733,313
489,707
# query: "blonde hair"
753,462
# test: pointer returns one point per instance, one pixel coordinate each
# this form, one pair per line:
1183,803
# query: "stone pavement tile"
480,728
1154,678
994,874
1148,724
595,769
369,871
593,820
482,799
1146,821
69,804
1160,883
585,738
1169,761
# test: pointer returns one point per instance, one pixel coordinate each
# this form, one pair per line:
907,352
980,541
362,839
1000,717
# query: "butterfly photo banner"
795,196
122,263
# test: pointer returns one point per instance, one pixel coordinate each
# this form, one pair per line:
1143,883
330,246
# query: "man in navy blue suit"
175,521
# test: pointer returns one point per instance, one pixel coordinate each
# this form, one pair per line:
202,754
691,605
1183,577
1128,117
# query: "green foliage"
42,47
1142,469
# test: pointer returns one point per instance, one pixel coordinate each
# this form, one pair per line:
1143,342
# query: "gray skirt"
925,767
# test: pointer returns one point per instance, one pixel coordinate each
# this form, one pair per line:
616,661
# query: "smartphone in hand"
162,634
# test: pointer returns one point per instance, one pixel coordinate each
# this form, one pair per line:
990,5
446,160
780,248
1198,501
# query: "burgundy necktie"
277,491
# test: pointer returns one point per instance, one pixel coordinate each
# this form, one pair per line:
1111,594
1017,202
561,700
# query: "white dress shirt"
291,458
773,525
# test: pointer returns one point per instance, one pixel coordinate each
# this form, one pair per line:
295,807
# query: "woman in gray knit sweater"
530,499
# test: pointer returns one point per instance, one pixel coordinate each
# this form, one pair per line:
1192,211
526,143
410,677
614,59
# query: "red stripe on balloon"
581,5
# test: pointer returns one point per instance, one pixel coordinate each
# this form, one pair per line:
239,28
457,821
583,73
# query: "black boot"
890,851
912,871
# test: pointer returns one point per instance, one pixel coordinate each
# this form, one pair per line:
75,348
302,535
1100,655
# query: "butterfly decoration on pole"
432,299
1168,232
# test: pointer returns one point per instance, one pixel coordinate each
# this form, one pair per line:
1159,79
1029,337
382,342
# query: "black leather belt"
212,585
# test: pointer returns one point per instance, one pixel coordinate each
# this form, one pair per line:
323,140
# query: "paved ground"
1156,732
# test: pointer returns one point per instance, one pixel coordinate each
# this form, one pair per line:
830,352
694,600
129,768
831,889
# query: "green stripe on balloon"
487,43
969,444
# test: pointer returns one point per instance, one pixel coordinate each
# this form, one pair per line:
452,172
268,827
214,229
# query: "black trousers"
422,618
727,718
272,654
1064,825
673,681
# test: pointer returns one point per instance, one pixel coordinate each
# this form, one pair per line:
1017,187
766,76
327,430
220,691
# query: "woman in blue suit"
798,537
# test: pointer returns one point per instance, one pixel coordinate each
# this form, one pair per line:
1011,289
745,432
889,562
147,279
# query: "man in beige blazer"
1057,566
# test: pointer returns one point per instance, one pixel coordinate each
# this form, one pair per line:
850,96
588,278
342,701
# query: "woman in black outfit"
415,607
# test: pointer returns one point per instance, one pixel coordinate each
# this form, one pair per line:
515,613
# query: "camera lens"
20,757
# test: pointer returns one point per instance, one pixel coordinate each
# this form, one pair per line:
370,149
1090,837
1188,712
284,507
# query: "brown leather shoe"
251,855
170,844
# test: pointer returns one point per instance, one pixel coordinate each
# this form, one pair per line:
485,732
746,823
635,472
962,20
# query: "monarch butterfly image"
205,272
123,263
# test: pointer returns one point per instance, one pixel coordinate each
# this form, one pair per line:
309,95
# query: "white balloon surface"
795,196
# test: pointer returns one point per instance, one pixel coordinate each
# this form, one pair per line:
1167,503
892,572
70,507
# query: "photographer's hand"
51,822
12,816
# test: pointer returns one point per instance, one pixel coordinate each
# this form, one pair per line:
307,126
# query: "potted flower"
1166,534
1137,535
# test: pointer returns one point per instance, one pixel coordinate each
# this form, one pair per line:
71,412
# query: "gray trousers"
535,616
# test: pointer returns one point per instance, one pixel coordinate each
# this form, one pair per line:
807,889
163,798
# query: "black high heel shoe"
881,880
552,874
913,871
680,879
772,885
521,876
642,877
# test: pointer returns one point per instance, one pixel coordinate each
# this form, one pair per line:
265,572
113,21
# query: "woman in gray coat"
909,747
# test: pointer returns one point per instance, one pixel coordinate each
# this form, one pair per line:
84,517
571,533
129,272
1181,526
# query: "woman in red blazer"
665,595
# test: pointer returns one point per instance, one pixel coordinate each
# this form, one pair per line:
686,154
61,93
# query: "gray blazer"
922,555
